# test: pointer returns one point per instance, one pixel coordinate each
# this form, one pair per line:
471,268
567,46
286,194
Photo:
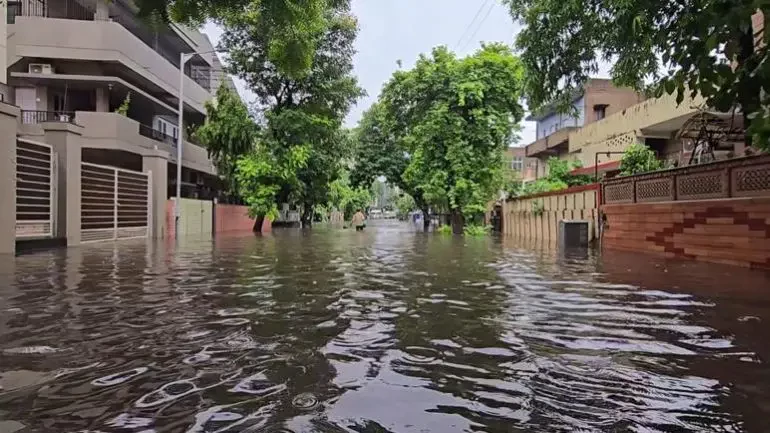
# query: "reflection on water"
382,331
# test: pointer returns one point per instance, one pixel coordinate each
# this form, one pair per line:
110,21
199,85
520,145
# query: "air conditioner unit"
41,68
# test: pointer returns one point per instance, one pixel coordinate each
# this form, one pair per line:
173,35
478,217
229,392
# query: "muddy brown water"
382,331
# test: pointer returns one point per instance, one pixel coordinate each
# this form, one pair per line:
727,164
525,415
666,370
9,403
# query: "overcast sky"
395,30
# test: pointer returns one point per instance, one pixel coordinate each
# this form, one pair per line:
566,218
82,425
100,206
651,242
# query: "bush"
476,230
558,178
639,159
444,230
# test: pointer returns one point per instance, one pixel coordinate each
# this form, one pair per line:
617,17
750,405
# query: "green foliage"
639,158
404,204
538,208
228,134
444,126
680,47
348,198
124,106
476,230
299,110
512,183
292,30
558,178
260,175
444,230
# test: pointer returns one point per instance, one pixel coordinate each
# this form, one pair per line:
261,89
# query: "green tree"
291,29
381,151
404,204
639,158
300,110
454,118
684,46
260,175
346,197
228,134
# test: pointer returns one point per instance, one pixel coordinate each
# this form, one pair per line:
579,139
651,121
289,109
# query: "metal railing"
34,189
156,135
66,9
36,116
739,177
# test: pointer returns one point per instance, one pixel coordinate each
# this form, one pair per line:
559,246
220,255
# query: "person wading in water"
358,220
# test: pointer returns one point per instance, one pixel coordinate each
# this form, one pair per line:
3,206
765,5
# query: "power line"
475,17
481,24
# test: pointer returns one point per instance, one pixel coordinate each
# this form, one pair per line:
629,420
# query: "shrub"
639,159
444,230
476,230
123,109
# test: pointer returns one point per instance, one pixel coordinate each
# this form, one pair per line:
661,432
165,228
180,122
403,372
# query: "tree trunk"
458,222
258,224
425,219
307,216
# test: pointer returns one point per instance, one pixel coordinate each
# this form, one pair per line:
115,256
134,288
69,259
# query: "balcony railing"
68,9
34,116
156,135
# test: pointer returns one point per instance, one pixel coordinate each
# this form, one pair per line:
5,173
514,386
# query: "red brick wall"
229,218
730,231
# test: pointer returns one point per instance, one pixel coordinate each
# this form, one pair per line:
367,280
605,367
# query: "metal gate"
114,203
34,189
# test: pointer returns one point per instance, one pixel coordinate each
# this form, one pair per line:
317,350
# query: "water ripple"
385,330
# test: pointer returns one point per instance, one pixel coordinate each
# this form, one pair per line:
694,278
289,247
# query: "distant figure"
358,220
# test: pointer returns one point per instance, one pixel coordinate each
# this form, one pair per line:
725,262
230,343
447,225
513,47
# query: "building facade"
70,64
598,99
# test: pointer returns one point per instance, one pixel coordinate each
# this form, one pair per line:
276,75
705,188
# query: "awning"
601,168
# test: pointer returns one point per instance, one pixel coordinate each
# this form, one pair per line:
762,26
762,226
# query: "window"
517,163
600,111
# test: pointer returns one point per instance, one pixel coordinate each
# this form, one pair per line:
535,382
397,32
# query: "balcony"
547,146
114,131
31,117
39,33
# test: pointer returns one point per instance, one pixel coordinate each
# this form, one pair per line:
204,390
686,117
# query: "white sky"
395,30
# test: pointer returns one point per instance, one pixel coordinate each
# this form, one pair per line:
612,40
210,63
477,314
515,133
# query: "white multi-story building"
70,64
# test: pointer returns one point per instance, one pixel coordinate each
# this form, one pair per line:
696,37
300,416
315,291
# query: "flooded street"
382,331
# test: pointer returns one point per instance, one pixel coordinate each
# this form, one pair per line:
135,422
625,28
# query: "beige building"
516,161
68,66
598,99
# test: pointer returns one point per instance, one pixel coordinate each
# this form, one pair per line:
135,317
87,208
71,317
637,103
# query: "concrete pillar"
102,100
65,140
102,10
8,122
157,163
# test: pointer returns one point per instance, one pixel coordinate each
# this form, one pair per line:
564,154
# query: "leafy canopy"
228,133
683,46
448,121
291,29
300,111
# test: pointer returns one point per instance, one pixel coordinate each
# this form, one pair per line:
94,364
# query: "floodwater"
382,331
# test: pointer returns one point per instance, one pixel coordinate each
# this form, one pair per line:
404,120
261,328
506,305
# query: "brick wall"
733,231
230,217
